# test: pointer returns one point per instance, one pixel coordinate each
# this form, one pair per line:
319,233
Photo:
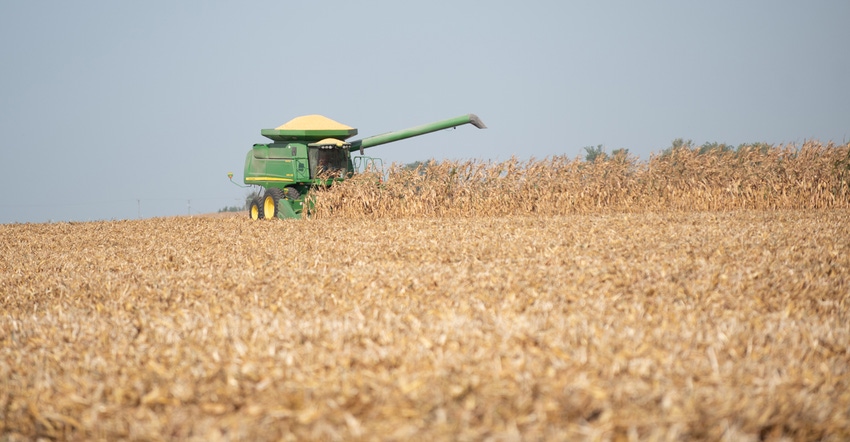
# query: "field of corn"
690,297
813,176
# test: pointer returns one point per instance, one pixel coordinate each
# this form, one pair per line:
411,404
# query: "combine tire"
256,210
292,193
271,203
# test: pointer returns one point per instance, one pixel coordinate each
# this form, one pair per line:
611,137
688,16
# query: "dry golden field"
605,323
812,176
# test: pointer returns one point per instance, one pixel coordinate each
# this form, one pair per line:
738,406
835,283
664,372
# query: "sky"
124,110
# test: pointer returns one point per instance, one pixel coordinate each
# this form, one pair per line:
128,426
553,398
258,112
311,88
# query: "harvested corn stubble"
652,325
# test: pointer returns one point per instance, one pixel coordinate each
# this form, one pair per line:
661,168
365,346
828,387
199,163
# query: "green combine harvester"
312,151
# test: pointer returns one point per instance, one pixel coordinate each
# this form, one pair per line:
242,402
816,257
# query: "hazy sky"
115,110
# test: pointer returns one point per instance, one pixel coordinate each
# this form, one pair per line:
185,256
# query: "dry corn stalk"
811,177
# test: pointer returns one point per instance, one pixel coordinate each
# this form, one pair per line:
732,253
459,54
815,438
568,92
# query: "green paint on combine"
312,151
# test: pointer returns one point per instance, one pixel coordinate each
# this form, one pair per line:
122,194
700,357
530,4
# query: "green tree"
678,143
595,153
250,197
620,155
715,147
760,147
414,165
247,206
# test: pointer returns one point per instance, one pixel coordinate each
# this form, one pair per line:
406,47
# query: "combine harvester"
311,151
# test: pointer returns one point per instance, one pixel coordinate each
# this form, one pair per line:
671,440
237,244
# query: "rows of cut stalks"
813,176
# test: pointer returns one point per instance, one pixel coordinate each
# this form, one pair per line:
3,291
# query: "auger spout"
390,137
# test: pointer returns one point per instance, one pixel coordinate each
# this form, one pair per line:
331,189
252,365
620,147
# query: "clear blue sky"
114,110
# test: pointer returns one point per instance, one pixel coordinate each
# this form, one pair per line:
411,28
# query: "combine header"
312,151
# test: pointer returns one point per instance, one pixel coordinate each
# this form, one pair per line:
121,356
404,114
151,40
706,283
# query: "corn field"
813,176
692,297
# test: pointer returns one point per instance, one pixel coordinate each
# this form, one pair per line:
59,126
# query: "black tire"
255,211
271,203
292,193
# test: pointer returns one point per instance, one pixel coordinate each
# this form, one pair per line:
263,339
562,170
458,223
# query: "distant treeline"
592,153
